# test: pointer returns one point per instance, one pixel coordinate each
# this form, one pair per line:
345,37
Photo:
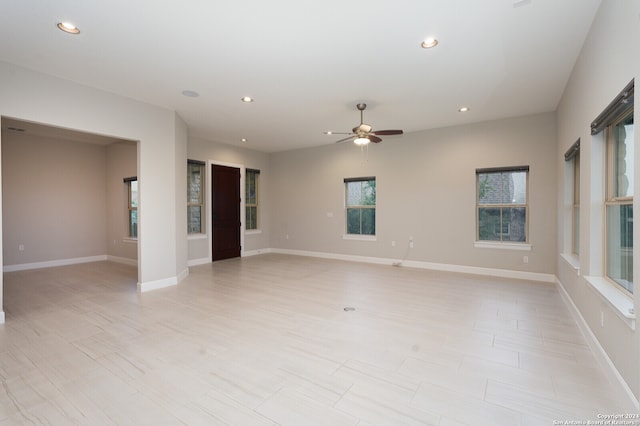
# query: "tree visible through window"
360,196
251,198
502,204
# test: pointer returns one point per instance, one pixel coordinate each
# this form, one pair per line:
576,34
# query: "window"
195,196
575,235
573,155
619,200
360,201
132,206
502,204
251,199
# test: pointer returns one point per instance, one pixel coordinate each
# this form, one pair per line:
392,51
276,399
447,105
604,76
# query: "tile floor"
265,340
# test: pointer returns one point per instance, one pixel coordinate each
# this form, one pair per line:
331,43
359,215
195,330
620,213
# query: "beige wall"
608,61
122,162
426,189
54,199
204,150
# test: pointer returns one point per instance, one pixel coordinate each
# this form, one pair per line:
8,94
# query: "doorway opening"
64,199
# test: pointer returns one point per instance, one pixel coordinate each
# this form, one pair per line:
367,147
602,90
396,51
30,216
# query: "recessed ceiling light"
243,139
464,109
328,133
429,42
68,27
246,99
190,93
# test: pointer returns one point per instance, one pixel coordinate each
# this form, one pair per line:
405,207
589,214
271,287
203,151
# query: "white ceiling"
306,63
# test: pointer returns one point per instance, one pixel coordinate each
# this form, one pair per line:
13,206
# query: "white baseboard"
53,263
158,284
196,262
184,274
123,260
505,273
256,252
597,349
476,270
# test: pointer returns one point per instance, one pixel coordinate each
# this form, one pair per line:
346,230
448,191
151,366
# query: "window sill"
359,237
253,232
196,237
130,240
572,260
502,246
622,303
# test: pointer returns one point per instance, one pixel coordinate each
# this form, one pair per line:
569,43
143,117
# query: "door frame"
209,203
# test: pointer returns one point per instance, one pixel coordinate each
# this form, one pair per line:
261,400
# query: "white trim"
156,285
347,257
250,253
572,261
196,262
596,347
505,273
621,303
1,317
53,263
182,275
477,270
197,236
123,260
129,240
252,231
356,237
502,246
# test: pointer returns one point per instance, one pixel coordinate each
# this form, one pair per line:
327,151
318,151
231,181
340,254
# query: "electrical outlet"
393,243
525,259
21,247
601,318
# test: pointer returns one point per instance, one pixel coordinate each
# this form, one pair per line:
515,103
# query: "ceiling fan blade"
387,132
346,139
339,133
374,139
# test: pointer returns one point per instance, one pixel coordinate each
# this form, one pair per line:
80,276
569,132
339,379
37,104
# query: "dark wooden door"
226,212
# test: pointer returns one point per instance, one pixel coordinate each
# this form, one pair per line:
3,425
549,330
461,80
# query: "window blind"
621,102
572,151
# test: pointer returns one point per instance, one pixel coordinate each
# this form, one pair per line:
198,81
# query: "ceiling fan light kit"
363,133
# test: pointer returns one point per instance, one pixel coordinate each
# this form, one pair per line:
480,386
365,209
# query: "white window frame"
130,208
360,236
611,198
256,176
200,203
575,208
505,244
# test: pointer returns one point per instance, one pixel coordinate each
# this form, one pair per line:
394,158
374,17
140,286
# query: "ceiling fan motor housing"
363,128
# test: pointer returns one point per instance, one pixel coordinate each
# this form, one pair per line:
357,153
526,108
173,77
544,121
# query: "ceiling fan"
363,134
